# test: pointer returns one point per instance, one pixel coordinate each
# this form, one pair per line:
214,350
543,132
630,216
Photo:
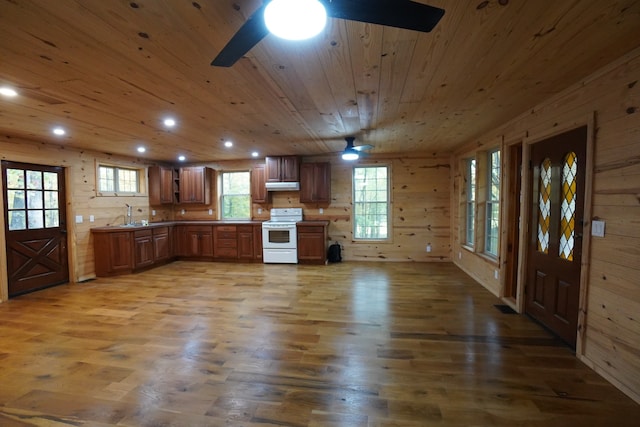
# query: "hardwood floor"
352,344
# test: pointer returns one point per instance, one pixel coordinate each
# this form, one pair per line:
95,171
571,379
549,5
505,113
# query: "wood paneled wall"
611,340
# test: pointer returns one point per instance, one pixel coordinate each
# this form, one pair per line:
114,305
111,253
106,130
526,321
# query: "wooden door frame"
71,229
526,206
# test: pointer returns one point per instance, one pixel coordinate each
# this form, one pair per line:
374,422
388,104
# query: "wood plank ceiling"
109,71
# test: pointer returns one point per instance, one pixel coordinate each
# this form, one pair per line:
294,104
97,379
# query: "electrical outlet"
92,218
182,212
79,219
321,211
428,247
459,254
153,212
210,211
259,211
496,274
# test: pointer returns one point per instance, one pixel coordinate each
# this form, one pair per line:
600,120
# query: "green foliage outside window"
371,202
236,195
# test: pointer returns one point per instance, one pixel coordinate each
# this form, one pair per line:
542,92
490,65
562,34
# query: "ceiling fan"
393,13
352,152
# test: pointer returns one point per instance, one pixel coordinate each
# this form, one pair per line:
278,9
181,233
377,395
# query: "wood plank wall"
611,343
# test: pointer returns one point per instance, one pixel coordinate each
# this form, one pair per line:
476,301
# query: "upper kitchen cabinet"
162,185
282,169
259,193
315,182
195,185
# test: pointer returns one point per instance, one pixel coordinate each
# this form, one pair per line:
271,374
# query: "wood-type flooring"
254,345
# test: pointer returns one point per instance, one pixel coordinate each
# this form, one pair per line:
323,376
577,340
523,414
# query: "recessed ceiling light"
169,122
59,131
228,144
255,154
8,92
141,149
182,158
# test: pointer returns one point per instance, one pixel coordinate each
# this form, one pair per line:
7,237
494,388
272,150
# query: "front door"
555,236
35,226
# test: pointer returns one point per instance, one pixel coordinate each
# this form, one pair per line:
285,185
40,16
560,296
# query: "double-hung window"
235,198
470,215
493,204
371,202
118,180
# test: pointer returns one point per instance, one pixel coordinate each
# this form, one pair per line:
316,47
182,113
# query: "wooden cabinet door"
315,182
312,244
272,169
120,252
143,247
195,185
205,247
257,242
322,182
161,246
307,183
289,169
245,242
161,181
259,193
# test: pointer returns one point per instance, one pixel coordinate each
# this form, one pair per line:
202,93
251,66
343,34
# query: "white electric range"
279,236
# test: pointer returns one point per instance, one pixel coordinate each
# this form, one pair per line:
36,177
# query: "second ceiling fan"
393,13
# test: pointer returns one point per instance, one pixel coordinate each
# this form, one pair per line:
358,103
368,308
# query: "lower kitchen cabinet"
162,244
112,253
143,248
225,240
195,241
312,242
245,242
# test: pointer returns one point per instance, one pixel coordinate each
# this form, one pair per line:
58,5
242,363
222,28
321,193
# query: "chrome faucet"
129,214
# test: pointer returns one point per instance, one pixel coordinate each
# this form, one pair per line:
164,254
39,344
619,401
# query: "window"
236,195
371,202
493,203
32,199
471,202
113,179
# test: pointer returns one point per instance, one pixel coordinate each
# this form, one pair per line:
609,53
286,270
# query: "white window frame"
139,174
356,203
492,242
223,194
471,175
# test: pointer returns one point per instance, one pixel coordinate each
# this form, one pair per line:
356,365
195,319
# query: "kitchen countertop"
110,228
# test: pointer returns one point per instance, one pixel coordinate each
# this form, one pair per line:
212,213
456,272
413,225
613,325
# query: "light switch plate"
597,228
79,219
92,218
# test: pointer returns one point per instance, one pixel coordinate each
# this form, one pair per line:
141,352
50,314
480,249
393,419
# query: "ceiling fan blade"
363,147
394,13
247,37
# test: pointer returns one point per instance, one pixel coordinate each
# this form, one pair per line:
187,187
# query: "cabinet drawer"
226,234
311,229
227,243
226,228
160,230
198,228
227,252
142,233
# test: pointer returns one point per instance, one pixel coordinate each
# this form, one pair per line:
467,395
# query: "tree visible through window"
371,202
113,179
493,204
471,202
236,195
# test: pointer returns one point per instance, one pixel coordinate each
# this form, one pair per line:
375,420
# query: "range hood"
282,186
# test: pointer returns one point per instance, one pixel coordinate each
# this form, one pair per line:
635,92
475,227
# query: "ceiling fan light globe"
350,155
295,19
